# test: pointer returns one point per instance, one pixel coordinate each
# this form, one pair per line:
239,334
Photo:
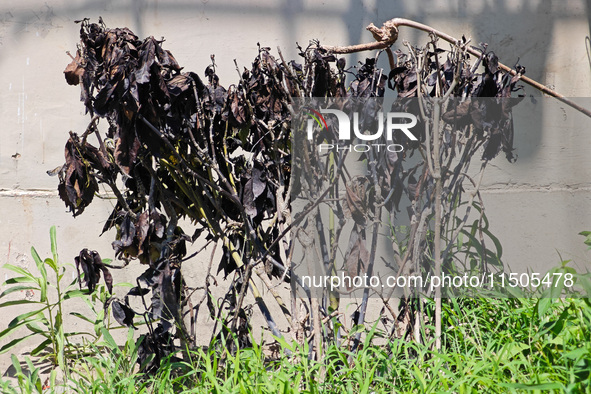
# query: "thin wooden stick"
388,34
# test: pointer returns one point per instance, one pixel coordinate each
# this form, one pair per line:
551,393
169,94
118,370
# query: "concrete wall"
536,206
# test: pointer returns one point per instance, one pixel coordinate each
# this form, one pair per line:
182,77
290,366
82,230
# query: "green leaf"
243,134
514,292
110,341
588,235
474,242
532,387
60,339
34,328
57,321
557,287
559,324
498,246
42,282
52,264
123,284
368,380
35,255
543,305
81,316
17,288
34,376
356,329
26,316
19,279
18,302
53,238
52,378
19,270
130,343
577,353
75,293
369,336
584,281
12,344
419,375
72,283
78,333
16,364
511,349
285,345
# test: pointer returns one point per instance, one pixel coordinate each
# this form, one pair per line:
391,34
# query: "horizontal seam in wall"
487,190
37,193
28,193
529,189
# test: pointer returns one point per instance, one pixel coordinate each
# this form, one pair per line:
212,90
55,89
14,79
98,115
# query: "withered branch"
387,35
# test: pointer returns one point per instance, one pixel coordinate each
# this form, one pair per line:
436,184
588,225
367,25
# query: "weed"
46,319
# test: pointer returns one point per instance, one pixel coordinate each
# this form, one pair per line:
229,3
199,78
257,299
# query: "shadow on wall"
517,30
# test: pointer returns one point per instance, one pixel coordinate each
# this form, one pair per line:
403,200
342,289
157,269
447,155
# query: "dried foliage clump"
178,148
173,148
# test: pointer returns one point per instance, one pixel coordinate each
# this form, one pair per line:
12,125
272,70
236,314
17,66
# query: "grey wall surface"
536,206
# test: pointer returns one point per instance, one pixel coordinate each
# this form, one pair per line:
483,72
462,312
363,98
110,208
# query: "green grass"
489,345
